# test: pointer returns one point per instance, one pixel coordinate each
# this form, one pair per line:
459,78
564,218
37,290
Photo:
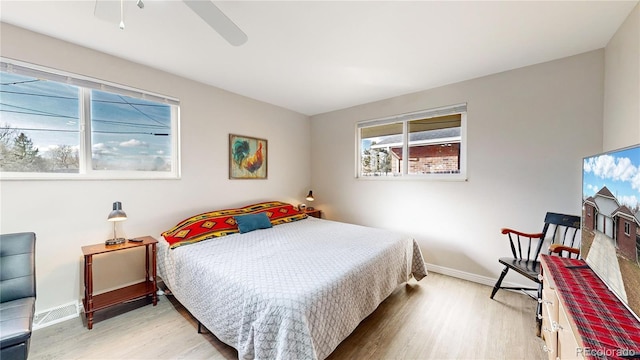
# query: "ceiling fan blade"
210,13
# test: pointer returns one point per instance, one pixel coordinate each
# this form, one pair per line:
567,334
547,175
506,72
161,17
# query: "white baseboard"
484,280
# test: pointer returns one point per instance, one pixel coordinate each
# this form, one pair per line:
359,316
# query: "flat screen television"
610,241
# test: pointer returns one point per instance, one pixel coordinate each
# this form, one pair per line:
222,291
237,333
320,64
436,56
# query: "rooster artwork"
248,158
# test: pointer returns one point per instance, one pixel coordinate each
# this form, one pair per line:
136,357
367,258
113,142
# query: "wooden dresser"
581,317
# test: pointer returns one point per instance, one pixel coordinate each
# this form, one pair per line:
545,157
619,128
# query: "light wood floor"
439,317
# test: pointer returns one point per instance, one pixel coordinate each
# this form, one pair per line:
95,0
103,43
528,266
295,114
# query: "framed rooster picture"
247,157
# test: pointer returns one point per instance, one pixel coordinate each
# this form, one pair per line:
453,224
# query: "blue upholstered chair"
17,293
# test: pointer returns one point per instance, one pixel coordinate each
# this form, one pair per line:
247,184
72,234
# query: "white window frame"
86,84
405,119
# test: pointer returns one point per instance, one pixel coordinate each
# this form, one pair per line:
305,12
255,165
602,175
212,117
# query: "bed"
291,291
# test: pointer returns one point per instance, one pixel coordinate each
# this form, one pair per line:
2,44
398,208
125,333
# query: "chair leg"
496,287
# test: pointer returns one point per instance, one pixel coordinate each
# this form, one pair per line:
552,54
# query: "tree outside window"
50,127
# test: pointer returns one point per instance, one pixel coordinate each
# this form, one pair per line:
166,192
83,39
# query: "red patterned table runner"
607,328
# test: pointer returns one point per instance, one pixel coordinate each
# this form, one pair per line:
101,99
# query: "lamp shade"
117,214
310,196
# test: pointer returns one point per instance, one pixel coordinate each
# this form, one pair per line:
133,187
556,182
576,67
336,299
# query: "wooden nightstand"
148,287
315,213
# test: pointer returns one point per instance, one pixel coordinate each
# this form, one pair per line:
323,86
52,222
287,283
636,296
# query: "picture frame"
248,157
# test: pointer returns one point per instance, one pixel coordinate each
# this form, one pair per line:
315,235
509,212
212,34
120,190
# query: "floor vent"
56,315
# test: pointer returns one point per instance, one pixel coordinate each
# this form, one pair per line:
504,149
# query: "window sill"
429,177
74,177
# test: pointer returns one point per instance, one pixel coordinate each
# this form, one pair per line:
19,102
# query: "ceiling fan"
205,9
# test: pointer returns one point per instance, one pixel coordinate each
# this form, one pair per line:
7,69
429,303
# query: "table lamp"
310,198
117,214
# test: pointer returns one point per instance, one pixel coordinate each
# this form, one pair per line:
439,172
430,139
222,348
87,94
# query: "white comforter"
294,291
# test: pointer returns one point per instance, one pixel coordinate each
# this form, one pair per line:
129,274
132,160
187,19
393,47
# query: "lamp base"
115,241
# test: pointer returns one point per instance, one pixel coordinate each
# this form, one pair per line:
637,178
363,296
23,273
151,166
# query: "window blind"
34,71
439,118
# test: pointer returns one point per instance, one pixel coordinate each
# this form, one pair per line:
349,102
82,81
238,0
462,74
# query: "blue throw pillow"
252,222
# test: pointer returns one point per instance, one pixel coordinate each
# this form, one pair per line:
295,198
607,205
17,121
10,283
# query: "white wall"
69,214
622,85
528,130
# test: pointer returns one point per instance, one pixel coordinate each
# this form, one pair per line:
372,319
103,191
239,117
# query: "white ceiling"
315,57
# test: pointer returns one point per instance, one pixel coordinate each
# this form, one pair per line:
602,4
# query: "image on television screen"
611,221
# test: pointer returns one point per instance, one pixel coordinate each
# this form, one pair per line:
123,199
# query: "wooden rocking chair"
560,230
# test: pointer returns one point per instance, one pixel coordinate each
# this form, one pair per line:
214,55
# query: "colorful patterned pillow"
221,222
277,212
203,226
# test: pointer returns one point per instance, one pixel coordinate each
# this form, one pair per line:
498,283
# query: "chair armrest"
511,231
557,249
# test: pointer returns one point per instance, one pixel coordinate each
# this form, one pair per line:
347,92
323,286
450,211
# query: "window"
426,144
627,228
56,125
